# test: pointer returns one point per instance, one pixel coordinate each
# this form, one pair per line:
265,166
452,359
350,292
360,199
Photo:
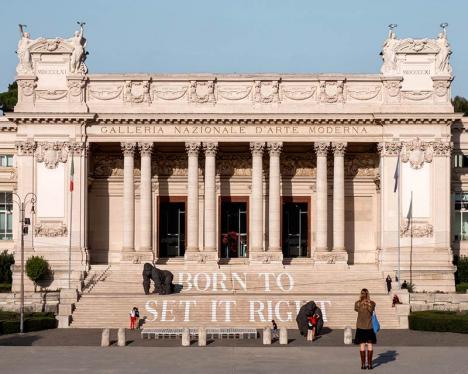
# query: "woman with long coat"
365,335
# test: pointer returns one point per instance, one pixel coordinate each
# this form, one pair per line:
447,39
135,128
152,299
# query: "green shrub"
6,260
10,324
462,270
439,321
10,327
462,287
37,269
5,287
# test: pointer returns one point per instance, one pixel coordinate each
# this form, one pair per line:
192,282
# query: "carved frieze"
25,148
417,95
202,92
137,92
442,149
234,164
331,92
51,94
361,165
170,93
389,148
266,92
170,164
50,229
416,152
416,230
27,86
298,92
106,92
392,87
234,92
363,93
297,165
51,153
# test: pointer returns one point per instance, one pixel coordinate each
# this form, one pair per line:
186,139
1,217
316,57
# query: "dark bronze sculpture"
308,310
162,280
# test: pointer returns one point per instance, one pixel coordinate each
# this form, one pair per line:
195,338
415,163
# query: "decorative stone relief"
363,93
170,164
234,92
417,95
210,148
392,87
275,148
321,149
416,153
192,148
416,230
52,153
137,92
107,165
389,148
331,92
78,148
234,164
257,148
25,148
75,87
298,92
442,149
145,148
50,229
202,92
105,93
339,149
169,92
297,165
51,94
361,165
266,92
27,86
128,148
441,87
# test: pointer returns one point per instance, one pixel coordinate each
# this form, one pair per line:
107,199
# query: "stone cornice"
417,119
51,118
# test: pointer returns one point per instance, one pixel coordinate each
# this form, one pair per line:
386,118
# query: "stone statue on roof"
78,55
24,55
442,60
388,52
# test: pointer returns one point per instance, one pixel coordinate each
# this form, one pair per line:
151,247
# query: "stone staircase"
231,295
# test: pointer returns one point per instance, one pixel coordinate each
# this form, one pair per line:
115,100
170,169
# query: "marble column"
192,197
128,149
274,198
321,149
339,150
210,197
145,196
256,201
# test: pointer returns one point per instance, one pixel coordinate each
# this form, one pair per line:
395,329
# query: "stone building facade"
207,170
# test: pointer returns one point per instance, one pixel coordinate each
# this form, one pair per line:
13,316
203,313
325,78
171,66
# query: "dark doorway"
295,229
171,229
233,229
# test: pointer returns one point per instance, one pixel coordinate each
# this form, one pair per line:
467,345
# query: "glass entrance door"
171,229
295,229
233,229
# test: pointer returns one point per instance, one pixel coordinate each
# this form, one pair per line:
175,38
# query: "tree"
37,269
9,98
460,104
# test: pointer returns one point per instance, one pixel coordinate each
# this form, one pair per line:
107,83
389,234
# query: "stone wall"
438,301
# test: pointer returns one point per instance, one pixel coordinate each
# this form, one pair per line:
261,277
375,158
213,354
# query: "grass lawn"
461,287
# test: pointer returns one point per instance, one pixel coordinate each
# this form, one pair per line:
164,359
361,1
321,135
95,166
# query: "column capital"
321,148
25,148
210,148
145,148
257,148
192,148
389,148
442,149
339,149
275,148
128,148
78,148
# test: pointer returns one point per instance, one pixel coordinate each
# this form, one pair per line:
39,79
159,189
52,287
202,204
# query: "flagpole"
71,188
398,226
411,239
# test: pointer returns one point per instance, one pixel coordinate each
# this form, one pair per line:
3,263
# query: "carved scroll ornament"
416,153
50,230
416,230
52,153
266,92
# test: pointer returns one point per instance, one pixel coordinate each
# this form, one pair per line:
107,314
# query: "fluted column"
128,150
145,196
339,150
274,198
256,203
192,197
321,149
210,196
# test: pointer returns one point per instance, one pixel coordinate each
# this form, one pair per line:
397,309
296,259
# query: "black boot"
363,360
369,360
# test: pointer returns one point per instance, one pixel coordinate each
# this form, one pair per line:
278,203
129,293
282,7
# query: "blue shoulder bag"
375,323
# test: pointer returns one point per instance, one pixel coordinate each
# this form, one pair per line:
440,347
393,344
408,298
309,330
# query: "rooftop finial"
444,27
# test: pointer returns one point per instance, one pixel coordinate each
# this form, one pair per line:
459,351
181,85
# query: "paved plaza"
78,351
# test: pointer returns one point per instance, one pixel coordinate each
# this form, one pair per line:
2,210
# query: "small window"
6,216
6,160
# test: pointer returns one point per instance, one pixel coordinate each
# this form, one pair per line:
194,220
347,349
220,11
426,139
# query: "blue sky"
235,35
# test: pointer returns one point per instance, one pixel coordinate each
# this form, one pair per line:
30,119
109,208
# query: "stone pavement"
60,360
329,338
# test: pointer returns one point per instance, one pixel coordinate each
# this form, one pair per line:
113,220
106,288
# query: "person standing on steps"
137,318
365,335
388,280
132,319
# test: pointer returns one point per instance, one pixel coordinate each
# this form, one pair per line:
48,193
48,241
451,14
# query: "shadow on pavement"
19,340
385,358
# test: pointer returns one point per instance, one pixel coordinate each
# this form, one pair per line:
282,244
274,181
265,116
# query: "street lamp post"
30,198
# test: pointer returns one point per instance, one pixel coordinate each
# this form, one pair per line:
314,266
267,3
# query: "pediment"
57,45
417,46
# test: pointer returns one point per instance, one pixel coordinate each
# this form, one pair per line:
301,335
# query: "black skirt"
365,336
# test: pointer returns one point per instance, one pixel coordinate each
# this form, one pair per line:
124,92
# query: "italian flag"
72,173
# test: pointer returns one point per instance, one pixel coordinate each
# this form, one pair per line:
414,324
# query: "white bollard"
267,335
283,338
121,342
105,338
202,337
348,335
186,337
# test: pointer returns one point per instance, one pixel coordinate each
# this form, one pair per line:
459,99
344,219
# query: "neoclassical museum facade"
207,170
